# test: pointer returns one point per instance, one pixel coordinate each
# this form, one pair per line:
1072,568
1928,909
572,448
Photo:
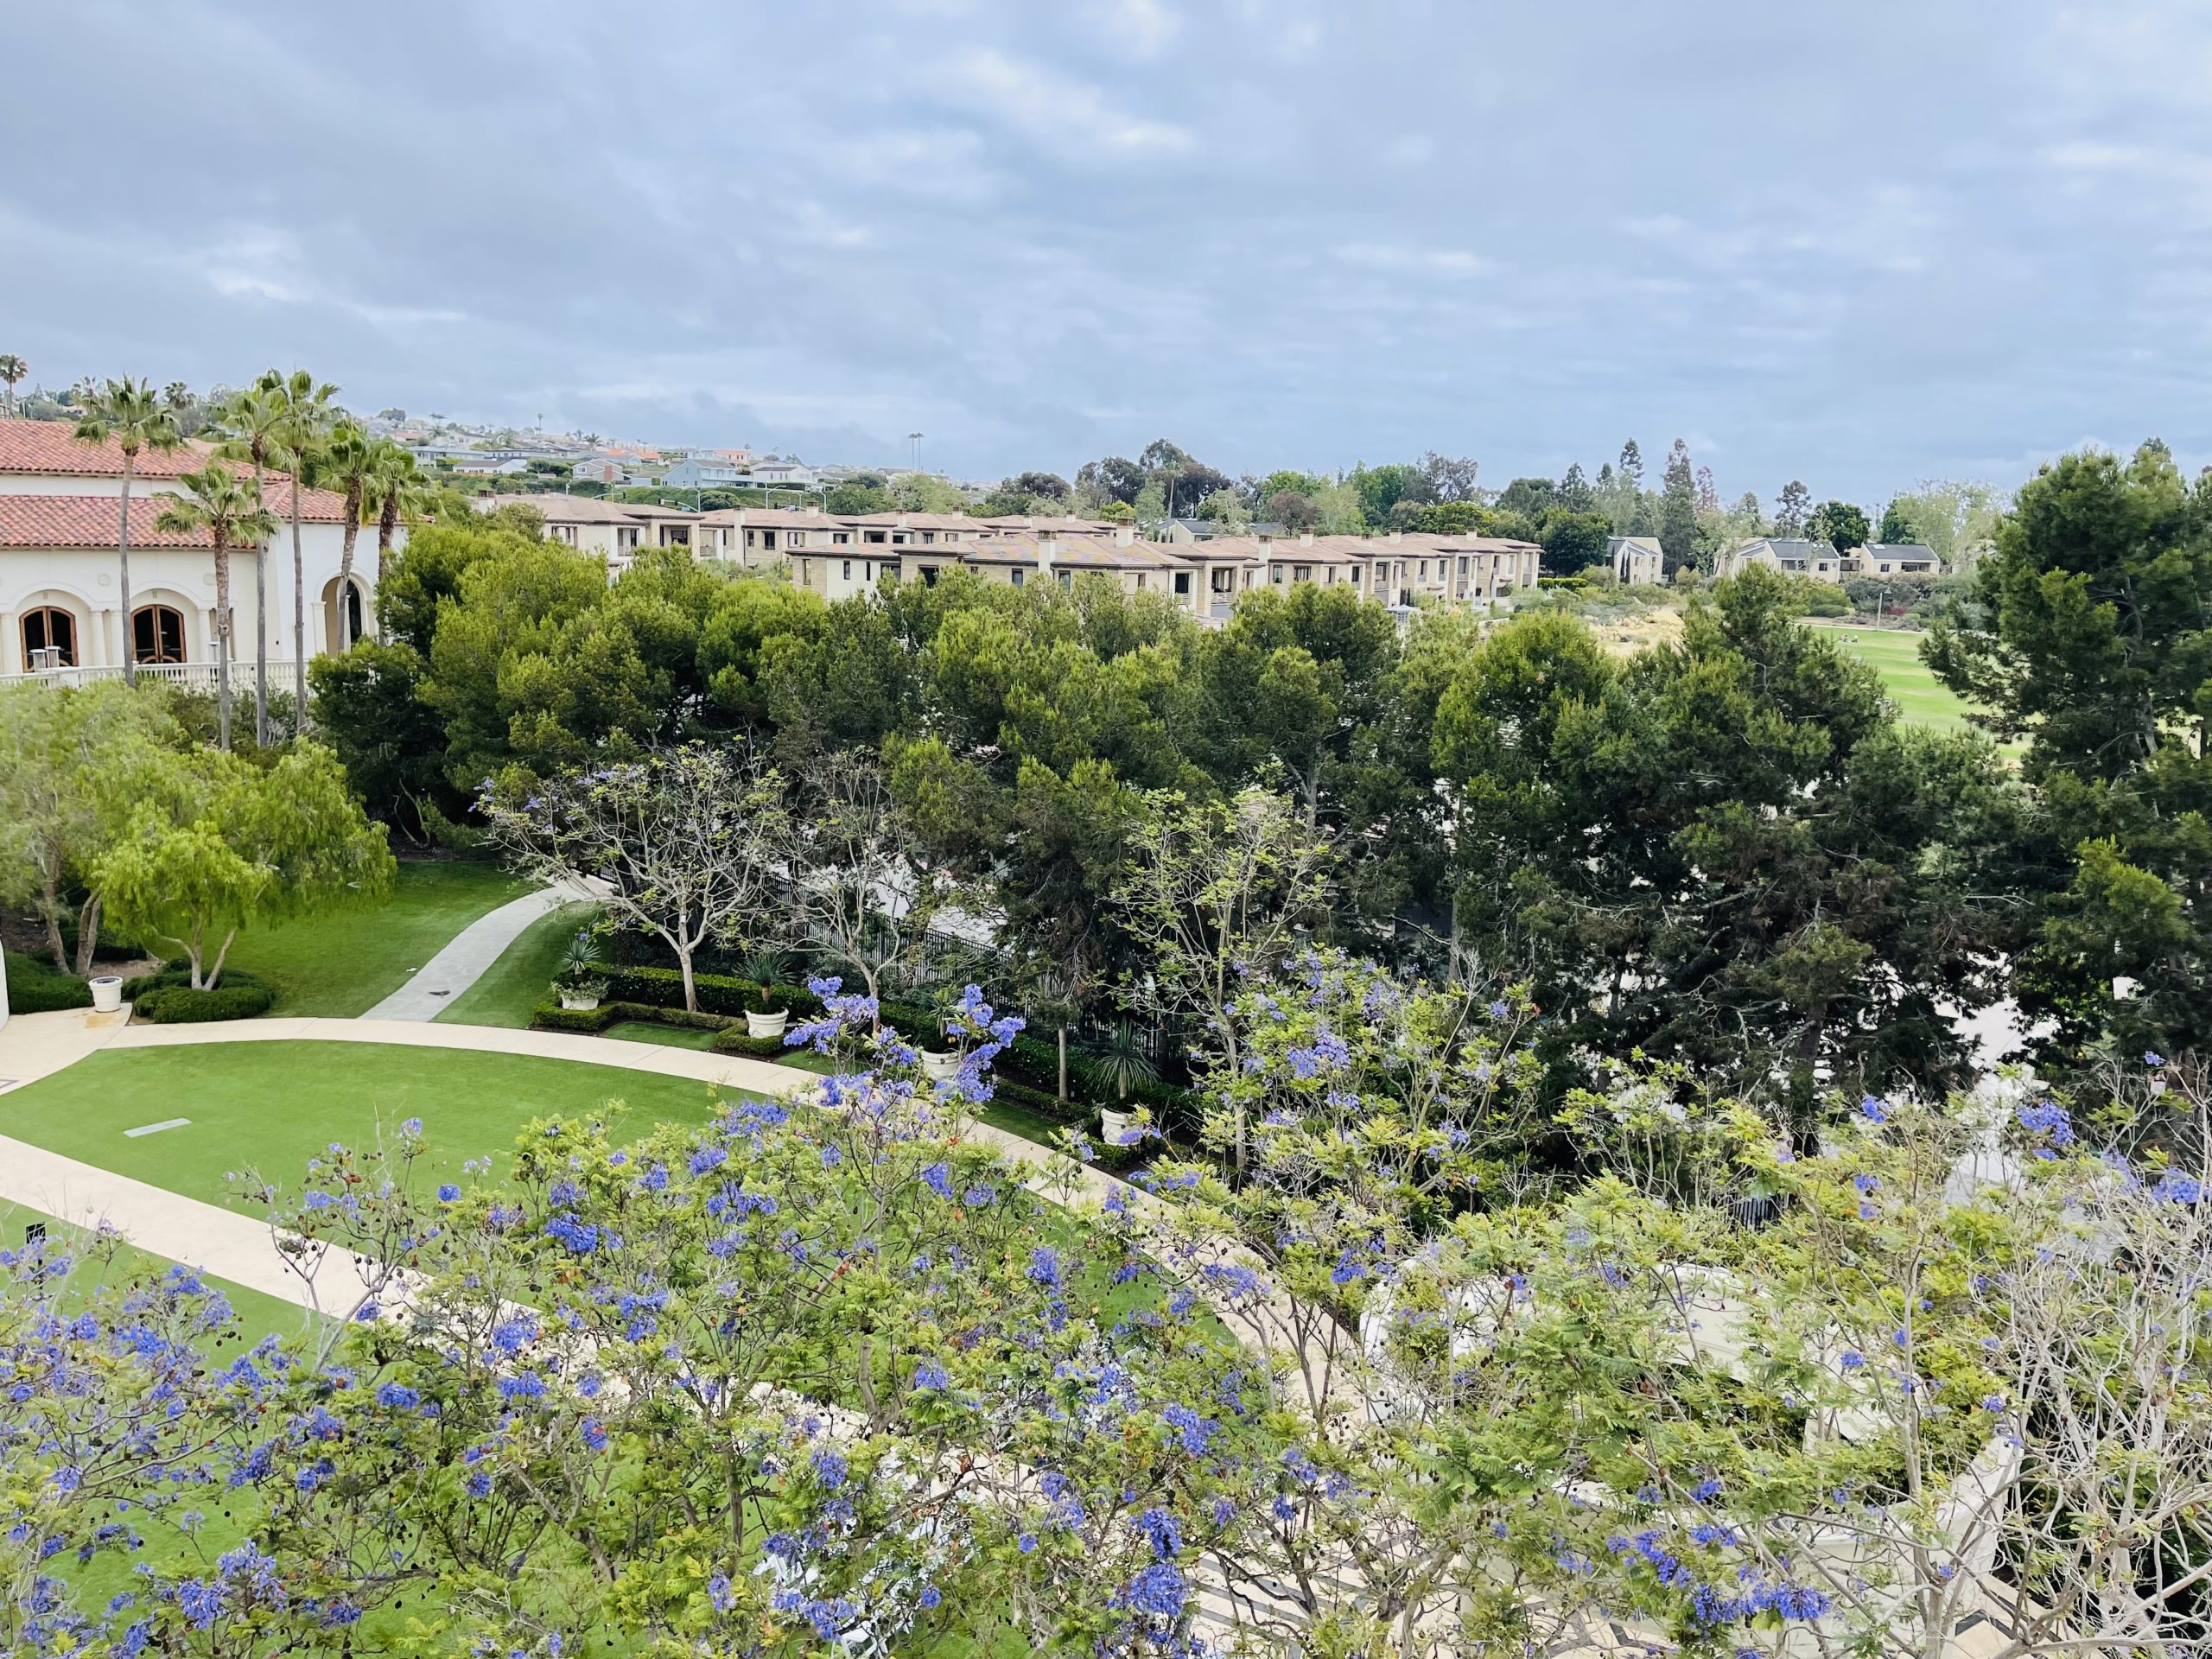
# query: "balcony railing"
198,676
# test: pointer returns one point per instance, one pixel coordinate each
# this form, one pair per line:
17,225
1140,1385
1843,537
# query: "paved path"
469,954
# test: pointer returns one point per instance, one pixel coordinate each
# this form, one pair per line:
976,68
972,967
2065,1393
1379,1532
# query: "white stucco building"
60,589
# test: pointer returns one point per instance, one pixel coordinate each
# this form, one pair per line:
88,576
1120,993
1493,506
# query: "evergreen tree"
1678,508
1791,509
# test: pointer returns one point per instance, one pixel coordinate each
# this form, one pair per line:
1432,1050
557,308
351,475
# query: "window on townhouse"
928,576
848,570
1274,574
1301,573
1182,582
1222,582
1067,578
1463,564
840,537
875,535
1020,576
563,533
625,541
1139,578
899,538
929,538
1424,570
676,535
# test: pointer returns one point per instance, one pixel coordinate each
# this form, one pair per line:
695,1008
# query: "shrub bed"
551,1016
236,996
37,987
718,994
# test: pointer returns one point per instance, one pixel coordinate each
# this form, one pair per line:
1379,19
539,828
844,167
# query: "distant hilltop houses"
1819,560
837,556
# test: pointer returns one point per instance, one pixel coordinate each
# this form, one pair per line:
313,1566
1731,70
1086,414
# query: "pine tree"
1678,508
1792,508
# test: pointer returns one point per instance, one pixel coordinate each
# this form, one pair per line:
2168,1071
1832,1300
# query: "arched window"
49,628
157,634
350,612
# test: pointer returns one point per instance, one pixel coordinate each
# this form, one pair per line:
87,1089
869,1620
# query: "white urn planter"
766,1024
939,1065
1116,1127
580,1000
107,994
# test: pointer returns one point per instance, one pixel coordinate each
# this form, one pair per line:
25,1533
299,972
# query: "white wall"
86,584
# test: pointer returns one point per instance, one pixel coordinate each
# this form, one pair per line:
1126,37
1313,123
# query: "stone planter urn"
1116,1125
940,1065
580,1000
766,1024
107,994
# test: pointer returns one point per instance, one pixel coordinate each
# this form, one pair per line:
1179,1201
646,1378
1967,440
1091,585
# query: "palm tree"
12,369
348,465
400,491
220,502
128,411
1121,1063
308,413
249,422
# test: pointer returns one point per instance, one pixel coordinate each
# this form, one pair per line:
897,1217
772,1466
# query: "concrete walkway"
470,953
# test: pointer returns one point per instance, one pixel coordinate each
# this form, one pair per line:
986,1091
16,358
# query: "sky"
1857,242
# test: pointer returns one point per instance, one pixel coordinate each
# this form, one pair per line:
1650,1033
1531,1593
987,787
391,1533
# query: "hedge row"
662,987
38,987
168,1001
551,1016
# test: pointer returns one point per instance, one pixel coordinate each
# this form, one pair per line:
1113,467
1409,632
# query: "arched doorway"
157,634
49,628
345,614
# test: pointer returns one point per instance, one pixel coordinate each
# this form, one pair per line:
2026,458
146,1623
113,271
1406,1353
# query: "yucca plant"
581,961
767,970
1121,1063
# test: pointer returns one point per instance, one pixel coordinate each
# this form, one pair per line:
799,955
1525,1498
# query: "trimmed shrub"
551,1016
179,1005
735,1041
38,987
718,993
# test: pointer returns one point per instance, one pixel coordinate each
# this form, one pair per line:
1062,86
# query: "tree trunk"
122,556
1063,1063
299,612
260,623
52,911
222,643
387,521
88,936
346,560
690,991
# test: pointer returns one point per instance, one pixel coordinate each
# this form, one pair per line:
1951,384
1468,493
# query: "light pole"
915,438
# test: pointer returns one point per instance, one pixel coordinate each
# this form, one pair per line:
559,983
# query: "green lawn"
651,1031
522,978
276,1105
1894,653
346,962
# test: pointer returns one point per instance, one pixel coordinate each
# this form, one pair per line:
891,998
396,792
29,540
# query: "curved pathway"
470,953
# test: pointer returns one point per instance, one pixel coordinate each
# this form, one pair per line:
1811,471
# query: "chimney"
1048,548
1125,535
1305,539
1397,535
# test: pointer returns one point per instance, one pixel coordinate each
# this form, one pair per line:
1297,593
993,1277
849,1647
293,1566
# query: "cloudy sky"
1860,242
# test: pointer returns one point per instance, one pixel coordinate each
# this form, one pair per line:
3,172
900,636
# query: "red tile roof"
89,521
82,521
51,448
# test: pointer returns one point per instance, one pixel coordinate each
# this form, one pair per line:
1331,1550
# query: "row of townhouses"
62,609
835,555
1821,560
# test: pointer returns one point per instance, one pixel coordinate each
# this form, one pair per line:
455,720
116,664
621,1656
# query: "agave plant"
1121,1063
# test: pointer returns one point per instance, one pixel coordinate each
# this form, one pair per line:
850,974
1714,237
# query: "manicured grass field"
274,1106
651,1031
1894,653
346,962
522,977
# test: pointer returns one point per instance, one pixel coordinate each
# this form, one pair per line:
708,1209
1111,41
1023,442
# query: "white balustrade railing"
197,677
